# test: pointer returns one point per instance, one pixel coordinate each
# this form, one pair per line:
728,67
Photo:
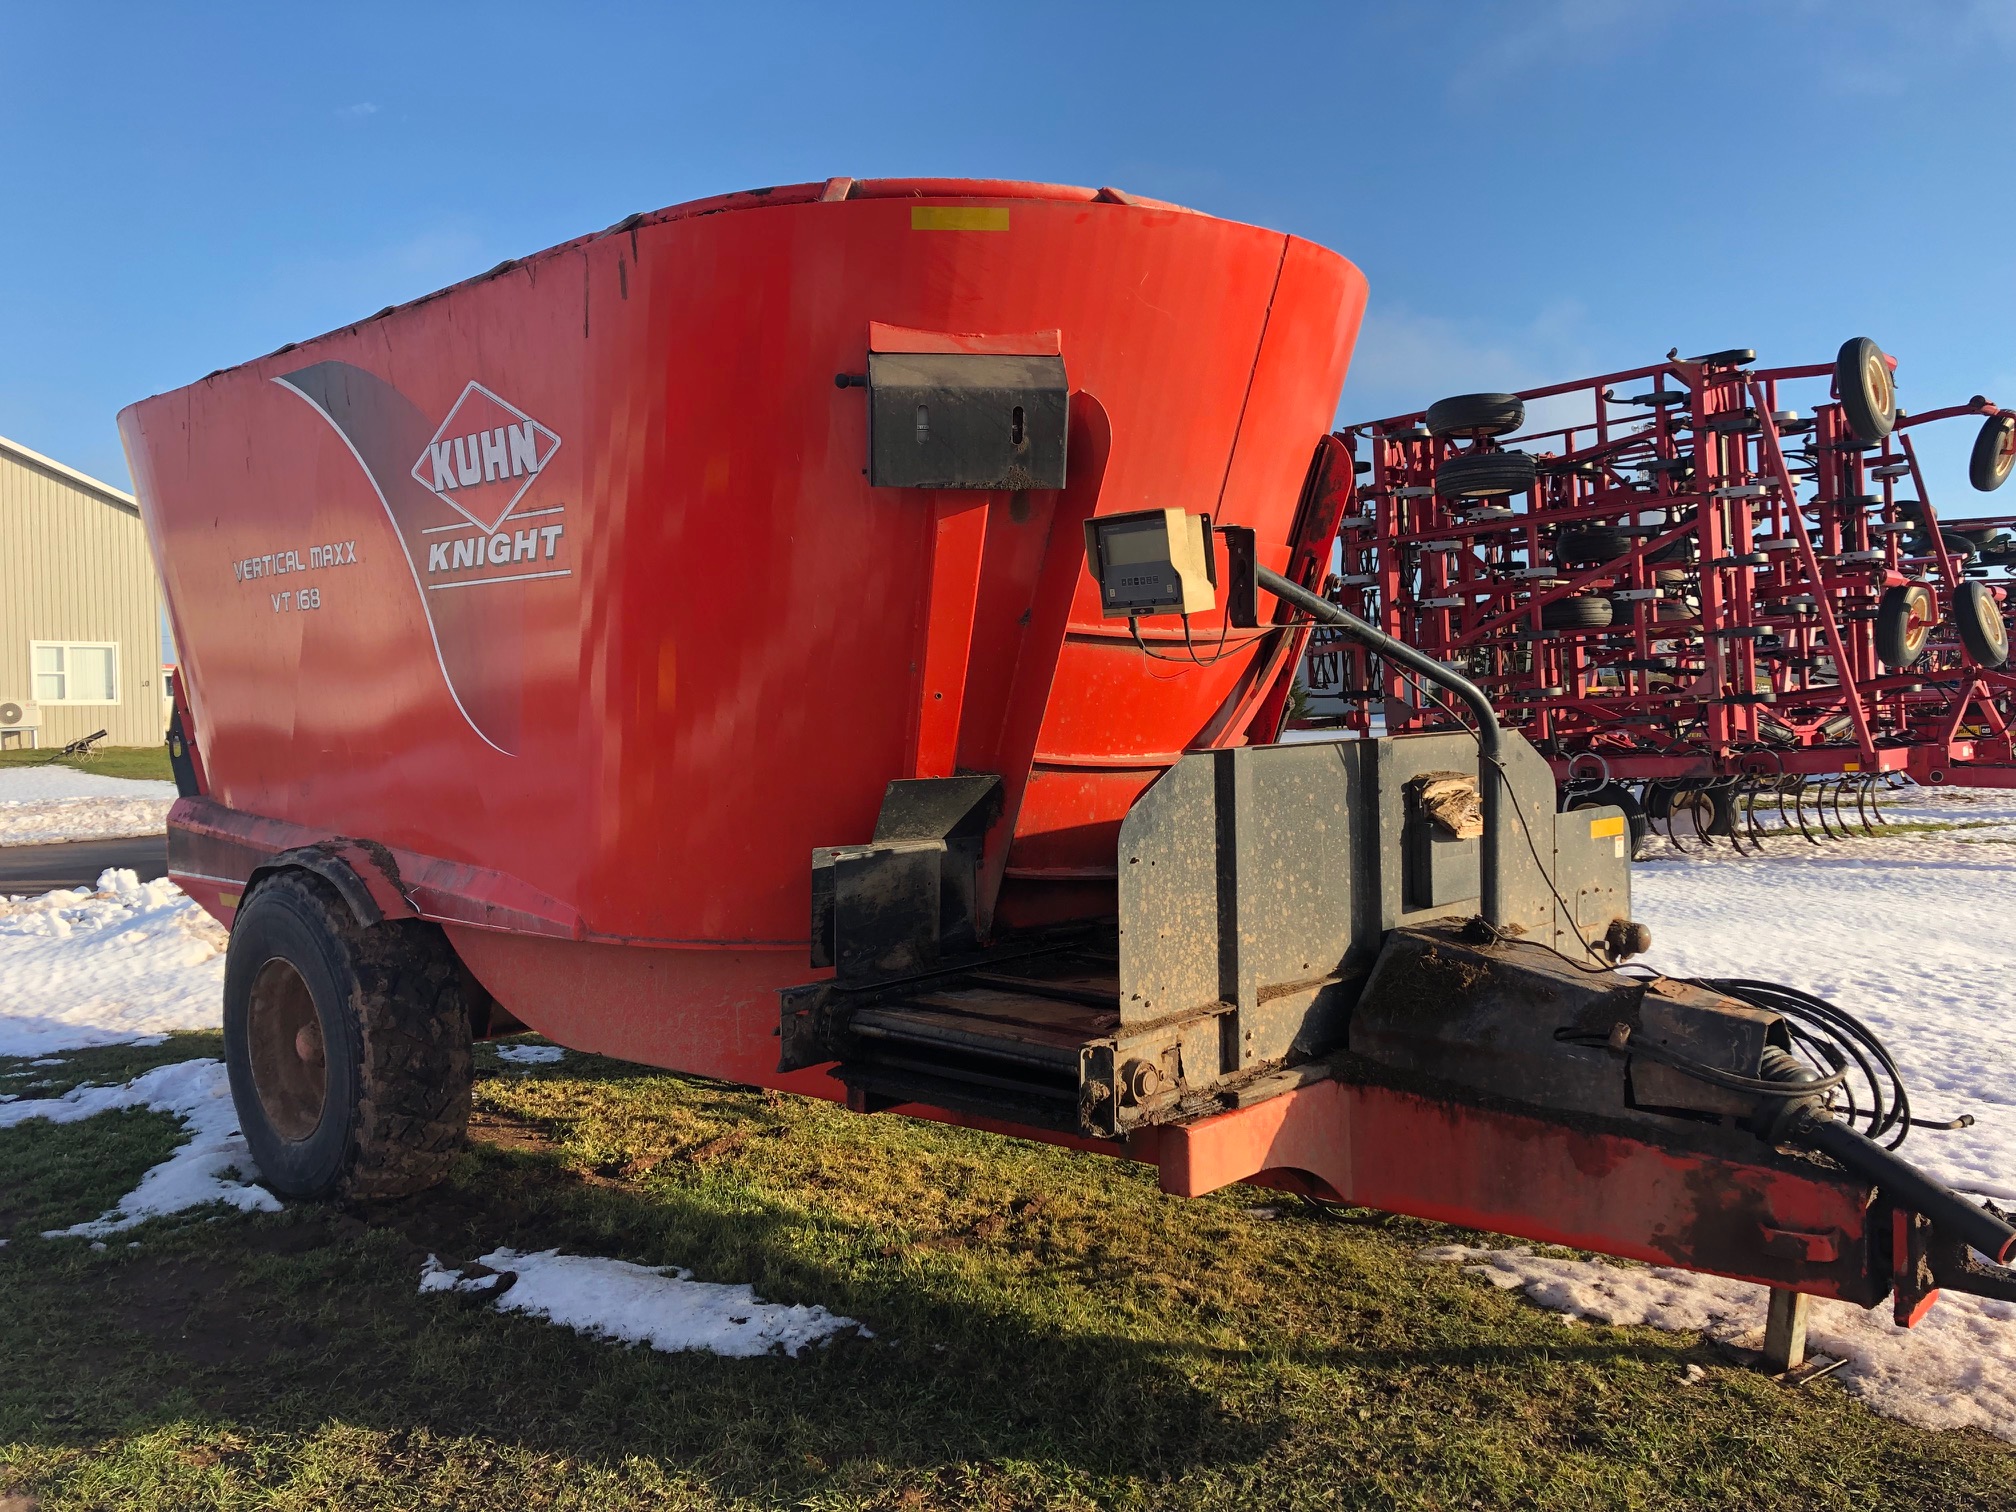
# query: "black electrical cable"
1833,1041
1889,1104
1224,629
1134,625
1702,1071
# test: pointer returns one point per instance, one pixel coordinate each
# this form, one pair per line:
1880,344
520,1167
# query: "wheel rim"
2005,453
1877,373
289,1069
1918,624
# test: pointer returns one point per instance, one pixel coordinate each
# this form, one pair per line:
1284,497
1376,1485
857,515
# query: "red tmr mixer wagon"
833,637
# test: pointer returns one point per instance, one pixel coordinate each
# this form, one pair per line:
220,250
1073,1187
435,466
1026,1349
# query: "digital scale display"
1154,562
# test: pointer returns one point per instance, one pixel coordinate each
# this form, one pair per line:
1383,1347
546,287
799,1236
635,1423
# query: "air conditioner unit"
19,714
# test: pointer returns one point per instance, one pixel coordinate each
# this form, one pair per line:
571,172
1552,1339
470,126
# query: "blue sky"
1536,190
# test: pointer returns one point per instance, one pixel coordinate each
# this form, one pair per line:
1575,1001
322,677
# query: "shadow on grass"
1309,1345
313,1316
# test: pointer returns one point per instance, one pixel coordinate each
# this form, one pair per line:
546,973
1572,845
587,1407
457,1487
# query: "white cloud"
1537,34
1406,361
1875,48
358,111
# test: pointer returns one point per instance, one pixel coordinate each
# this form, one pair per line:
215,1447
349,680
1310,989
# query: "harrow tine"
1663,825
1786,787
1799,809
1740,835
1702,810
1877,788
1821,786
1705,829
1864,791
1725,787
1840,819
1752,785
1673,804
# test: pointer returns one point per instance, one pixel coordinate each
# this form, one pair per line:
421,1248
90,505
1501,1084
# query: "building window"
74,672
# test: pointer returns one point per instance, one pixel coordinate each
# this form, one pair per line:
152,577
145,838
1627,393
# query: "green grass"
140,762
1051,1331
1925,826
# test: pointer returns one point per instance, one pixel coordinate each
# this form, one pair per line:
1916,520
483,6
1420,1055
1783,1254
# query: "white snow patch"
531,1055
24,784
213,1166
1956,1369
57,820
1909,933
44,805
662,1306
126,962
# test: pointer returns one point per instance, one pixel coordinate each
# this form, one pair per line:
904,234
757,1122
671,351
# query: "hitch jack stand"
1785,1330
1779,1348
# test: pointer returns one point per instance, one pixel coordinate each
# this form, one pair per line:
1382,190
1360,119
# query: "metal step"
1023,1042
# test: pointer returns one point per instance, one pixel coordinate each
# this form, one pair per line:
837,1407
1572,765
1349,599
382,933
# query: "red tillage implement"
1693,596
777,638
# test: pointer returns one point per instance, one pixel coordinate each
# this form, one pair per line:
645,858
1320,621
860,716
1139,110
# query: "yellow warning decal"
1603,829
957,218
229,899
1851,766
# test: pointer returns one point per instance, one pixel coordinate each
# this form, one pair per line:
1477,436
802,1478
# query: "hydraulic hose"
1490,737
1903,1183
1799,1115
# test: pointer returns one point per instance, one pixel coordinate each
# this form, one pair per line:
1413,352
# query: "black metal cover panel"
1592,860
1237,878
961,420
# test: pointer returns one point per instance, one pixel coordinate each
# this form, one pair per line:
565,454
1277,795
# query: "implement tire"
1587,611
348,1046
1587,548
1904,621
1867,390
1994,454
1484,475
1476,415
1983,632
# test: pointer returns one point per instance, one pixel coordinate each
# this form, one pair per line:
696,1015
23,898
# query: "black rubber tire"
1612,795
1983,631
1680,550
392,1005
1589,547
1866,388
1484,475
1903,625
1956,545
1476,415
1587,611
1994,455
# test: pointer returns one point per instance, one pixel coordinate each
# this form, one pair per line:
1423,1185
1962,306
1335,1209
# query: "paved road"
41,868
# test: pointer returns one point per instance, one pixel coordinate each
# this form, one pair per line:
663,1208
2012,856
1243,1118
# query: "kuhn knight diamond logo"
484,456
